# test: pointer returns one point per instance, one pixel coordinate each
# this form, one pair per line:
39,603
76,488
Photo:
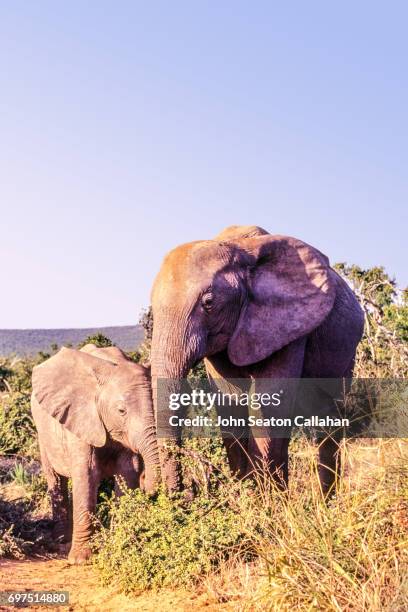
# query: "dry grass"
351,554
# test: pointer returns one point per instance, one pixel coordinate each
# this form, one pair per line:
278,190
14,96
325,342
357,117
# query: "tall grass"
261,548
351,554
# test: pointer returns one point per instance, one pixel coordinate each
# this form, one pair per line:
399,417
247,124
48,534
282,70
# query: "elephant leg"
84,494
58,490
329,465
321,400
61,510
235,438
128,469
224,376
269,456
268,446
237,454
329,449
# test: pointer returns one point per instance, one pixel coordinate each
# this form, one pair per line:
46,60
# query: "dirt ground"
85,591
82,582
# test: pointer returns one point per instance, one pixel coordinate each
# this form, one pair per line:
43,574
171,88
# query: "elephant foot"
77,556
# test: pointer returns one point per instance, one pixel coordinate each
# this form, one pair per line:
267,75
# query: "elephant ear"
290,292
67,386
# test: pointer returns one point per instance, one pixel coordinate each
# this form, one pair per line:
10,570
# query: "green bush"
16,373
17,430
152,543
97,339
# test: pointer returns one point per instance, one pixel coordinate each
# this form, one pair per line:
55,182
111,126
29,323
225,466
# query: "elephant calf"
94,415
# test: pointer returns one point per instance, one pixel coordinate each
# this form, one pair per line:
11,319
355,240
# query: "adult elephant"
255,306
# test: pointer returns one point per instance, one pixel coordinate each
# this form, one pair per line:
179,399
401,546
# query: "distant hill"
30,341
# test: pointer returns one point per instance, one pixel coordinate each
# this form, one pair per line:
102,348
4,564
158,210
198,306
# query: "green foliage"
17,430
19,373
396,319
383,351
303,553
164,542
97,339
20,475
377,284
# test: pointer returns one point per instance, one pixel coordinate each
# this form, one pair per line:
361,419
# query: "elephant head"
101,397
246,292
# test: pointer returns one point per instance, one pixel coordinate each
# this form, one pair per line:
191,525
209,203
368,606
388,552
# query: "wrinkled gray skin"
255,306
94,415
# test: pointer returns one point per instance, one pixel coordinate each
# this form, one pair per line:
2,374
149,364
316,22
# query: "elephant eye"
122,410
207,301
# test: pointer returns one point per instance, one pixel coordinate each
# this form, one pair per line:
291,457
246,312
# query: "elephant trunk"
170,364
144,441
150,453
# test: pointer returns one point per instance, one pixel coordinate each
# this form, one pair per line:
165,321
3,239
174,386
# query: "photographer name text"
253,421
207,401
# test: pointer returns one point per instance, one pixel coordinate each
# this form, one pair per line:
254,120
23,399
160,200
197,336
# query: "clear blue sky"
127,128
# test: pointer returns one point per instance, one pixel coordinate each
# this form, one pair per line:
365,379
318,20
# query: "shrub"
23,528
164,542
300,553
17,372
17,430
97,339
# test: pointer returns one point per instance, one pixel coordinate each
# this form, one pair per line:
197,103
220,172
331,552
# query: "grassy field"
246,549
